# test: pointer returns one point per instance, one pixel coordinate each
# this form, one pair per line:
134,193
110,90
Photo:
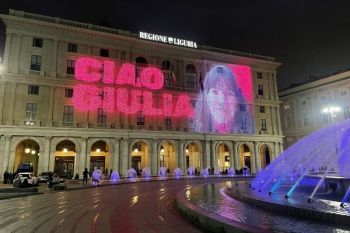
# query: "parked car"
44,177
31,178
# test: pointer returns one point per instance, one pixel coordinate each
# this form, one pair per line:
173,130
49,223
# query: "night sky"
309,38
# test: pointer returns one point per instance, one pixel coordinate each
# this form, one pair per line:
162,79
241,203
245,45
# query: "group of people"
8,177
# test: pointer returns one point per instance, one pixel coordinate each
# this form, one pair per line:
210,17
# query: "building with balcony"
76,95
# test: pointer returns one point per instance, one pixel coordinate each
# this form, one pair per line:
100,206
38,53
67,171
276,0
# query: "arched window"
169,77
191,76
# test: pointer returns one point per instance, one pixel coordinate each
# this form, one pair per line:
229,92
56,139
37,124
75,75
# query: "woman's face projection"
222,105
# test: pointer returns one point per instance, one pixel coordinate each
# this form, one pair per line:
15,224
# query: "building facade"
76,96
313,105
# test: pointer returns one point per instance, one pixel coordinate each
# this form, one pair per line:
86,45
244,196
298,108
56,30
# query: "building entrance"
64,166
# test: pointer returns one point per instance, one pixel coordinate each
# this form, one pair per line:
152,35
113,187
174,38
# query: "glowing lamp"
33,152
27,150
65,150
98,150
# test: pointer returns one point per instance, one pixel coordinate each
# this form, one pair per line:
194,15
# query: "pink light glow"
124,103
167,104
108,72
243,76
152,78
126,74
88,69
183,106
148,103
108,99
86,97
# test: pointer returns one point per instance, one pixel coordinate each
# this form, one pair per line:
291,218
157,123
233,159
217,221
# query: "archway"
65,159
140,156
27,156
193,158
265,157
100,156
167,156
223,157
245,156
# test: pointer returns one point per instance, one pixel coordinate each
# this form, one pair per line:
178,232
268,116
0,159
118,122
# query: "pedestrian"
6,177
110,173
10,179
85,175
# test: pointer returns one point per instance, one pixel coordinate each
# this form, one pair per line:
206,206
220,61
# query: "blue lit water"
211,198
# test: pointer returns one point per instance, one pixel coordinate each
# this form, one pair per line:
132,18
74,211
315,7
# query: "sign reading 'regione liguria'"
168,40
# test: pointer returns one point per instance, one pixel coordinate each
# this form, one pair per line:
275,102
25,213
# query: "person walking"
6,177
85,175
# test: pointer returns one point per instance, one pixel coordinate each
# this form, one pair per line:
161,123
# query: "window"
191,76
305,119
101,116
168,78
33,90
68,93
104,53
263,125
167,121
38,42
260,89
73,48
262,109
35,63
346,112
70,67
242,108
68,114
140,118
31,111
259,75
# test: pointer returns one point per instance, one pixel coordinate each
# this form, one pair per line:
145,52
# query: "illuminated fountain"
318,163
115,176
146,172
131,173
162,172
231,171
96,176
177,172
190,171
205,172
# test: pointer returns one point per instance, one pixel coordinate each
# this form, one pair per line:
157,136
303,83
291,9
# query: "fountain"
177,172
115,176
231,171
205,172
146,172
315,170
96,176
162,172
216,171
191,171
131,173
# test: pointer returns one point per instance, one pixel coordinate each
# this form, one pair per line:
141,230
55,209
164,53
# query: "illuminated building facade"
313,105
76,96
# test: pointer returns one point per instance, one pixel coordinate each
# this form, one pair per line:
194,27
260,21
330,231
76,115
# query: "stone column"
281,148
206,153
45,156
213,159
236,155
11,161
124,156
6,153
257,157
52,159
275,152
50,112
232,156
7,51
181,156
154,158
82,157
54,59
116,156
18,54
2,152
11,102
2,99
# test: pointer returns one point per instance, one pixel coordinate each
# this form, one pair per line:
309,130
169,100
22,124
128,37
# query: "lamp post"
332,111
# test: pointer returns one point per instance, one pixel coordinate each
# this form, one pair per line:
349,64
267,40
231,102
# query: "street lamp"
332,111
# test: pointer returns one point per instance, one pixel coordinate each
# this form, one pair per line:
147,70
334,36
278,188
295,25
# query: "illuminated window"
260,89
31,110
263,125
191,76
38,42
68,93
33,90
104,52
140,118
346,112
101,116
73,48
70,67
167,121
68,114
262,109
259,75
305,120
35,63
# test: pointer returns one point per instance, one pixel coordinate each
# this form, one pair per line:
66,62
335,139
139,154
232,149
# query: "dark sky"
308,37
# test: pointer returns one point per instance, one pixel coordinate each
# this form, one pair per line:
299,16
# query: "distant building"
76,95
313,105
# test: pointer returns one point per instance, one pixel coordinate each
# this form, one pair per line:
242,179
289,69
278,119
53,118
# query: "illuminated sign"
167,40
120,97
